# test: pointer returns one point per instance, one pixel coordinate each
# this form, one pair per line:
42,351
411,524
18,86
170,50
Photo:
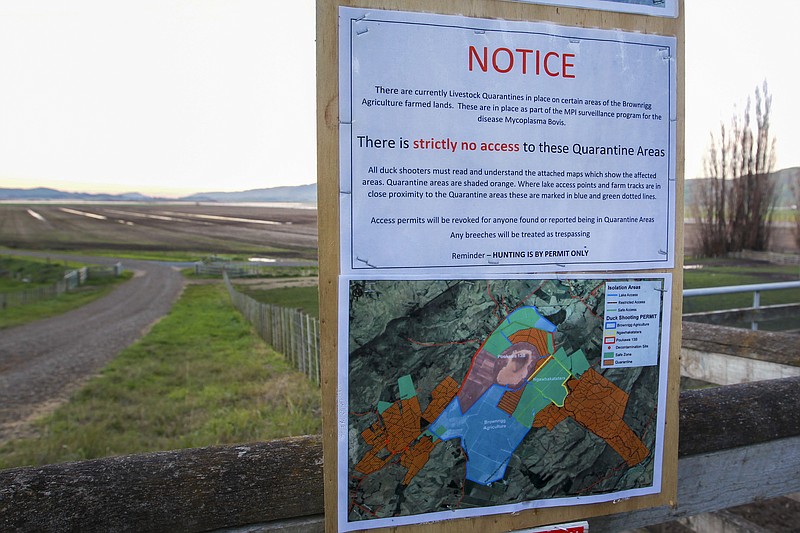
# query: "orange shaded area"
417,457
536,337
598,405
441,396
550,417
397,427
402,423
371,462
398,430
508,403
375,436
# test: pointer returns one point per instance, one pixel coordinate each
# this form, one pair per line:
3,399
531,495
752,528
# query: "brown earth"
277,231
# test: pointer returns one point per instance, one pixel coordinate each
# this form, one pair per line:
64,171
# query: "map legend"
632,323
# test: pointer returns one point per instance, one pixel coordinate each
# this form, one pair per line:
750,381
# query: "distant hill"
298,194
308,193
43,193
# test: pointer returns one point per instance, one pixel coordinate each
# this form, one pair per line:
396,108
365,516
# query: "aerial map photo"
482,394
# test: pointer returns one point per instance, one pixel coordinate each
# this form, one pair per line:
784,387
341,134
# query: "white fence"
233,270
289,331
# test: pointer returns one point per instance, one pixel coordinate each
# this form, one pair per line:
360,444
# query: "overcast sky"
171,97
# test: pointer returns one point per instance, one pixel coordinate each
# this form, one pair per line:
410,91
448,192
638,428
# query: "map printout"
470,397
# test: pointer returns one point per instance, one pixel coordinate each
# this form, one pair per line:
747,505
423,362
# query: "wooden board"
328,209
755,426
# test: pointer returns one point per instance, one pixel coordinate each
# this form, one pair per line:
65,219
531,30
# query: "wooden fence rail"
289,331
738,444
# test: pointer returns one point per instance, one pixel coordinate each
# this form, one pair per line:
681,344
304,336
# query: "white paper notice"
480,145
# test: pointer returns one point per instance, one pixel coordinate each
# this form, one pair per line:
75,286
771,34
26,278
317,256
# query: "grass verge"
200,377
266,272
305,298
92,290
21,273
723,272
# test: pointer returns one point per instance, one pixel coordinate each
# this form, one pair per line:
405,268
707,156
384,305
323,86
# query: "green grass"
177,256
200,377
89,292
723,272
289,272
17,273
305,298
172,256
783,214
267,272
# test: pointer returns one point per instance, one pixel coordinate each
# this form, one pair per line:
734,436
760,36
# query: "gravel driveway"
41,363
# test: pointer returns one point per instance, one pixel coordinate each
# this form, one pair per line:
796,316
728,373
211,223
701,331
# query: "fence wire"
291,332
71,281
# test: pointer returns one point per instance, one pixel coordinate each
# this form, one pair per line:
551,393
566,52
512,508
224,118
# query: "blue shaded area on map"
488,435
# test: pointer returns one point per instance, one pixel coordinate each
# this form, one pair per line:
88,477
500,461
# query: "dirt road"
41,363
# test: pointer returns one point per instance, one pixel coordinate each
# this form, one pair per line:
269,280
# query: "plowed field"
278,231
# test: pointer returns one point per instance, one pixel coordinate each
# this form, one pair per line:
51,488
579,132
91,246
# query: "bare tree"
736,199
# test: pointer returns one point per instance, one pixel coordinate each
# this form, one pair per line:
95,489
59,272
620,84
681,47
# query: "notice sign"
478,144
467,397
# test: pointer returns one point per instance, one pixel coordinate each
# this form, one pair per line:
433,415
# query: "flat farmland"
278,231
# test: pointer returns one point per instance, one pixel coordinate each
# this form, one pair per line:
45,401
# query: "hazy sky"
171,97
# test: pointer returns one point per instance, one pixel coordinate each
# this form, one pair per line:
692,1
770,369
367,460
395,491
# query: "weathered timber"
706,483
737,443
768,346
711,482
738,415
725,356
178,491
720,520
723,369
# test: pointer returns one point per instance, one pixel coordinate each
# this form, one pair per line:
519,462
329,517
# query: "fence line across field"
71,281
291,332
